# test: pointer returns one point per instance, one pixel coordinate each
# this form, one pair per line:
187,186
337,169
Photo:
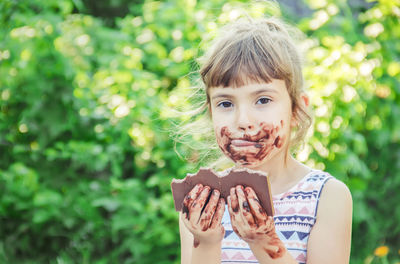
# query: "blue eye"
264,100
225,104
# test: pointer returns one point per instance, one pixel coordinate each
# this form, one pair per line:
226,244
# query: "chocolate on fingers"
246,215
207,215
219,212
189,199
233,208
196,208
256,209
223,182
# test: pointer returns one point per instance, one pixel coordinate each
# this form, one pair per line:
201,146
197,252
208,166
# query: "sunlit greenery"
86,92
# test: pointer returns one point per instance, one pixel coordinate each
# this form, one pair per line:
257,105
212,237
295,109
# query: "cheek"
222,135
217,132
217,126
221,129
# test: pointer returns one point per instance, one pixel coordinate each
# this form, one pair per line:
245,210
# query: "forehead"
275,86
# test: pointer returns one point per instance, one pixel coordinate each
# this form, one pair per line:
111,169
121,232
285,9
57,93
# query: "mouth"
245,143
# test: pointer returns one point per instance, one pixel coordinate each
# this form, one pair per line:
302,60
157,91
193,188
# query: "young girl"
255,98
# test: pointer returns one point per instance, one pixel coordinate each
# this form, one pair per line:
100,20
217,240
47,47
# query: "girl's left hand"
251,223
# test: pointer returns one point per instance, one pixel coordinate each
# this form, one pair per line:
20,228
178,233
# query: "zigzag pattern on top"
295,215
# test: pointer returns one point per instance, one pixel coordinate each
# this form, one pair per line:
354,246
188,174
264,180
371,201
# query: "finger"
233,207
192,195
244,207
234,201
233,216
256,209
219,213
198,204
229,202
189,198
207,215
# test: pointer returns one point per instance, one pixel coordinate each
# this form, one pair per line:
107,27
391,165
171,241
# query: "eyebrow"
263,90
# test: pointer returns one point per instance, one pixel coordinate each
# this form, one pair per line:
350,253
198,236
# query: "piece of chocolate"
224,182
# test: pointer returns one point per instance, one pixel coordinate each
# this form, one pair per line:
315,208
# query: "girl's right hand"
205,225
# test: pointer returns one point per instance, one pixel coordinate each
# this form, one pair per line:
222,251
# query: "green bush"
85,154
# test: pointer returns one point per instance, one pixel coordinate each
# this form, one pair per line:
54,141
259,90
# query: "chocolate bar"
224,182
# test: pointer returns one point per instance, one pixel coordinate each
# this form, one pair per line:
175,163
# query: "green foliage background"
85,155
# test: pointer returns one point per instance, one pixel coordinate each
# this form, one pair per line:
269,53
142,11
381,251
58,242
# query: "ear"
305,100
304,103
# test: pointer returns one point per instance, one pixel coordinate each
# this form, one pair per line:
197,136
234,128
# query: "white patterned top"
295,215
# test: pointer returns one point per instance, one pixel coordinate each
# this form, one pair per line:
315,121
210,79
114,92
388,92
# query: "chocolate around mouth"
264,142
245,143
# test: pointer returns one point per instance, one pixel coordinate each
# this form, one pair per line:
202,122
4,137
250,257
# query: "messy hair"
257,51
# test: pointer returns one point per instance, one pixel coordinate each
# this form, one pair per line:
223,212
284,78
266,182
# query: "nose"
244,120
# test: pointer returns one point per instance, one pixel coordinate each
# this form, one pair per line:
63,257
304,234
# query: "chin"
250,165
251,162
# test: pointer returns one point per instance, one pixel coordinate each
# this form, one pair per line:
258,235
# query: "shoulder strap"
321,178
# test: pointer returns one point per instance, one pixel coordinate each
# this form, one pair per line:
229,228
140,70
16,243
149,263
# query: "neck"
283,171
278,168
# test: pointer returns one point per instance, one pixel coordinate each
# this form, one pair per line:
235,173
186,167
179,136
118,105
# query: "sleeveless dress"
295,215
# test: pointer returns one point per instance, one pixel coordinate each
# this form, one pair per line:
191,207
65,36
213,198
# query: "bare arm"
186,242
330,238
200,254
201,233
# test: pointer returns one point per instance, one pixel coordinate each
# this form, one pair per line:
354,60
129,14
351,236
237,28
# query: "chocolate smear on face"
278,142
265,141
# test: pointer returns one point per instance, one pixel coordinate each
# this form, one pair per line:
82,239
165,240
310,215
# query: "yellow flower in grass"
381,251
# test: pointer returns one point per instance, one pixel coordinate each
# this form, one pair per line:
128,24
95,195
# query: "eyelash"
220,104
266,98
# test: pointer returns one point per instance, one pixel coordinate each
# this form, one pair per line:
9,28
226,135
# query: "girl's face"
252,123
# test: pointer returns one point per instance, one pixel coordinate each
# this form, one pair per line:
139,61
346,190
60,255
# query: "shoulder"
334,185
335,205
335,196
330,188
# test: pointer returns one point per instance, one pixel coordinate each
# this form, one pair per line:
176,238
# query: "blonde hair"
257,50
